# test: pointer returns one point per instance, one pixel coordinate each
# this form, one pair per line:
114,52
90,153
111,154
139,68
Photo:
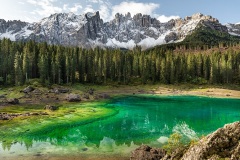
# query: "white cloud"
75,8
93,1
46,7
88,8
22,3
144,8
164,18
134,8
104,12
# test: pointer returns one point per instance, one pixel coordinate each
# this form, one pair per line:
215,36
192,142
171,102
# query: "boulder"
28,89
91,91
59,90
63,90
102,96
5,117
223,143
13,101
73,98
51,108
37,92
145,152
86,96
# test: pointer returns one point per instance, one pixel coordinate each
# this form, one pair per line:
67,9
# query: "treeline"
20,62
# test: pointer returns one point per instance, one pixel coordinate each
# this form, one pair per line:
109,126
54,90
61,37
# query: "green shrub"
174,142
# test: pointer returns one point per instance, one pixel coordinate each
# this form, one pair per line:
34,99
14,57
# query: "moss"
44,126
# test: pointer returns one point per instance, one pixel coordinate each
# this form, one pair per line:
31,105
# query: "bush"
174,142
199,80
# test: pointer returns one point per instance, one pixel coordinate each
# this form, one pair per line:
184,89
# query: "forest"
173,64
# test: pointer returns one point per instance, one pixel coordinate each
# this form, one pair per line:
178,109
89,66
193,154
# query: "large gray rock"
13,101
73,98
223,143
28,89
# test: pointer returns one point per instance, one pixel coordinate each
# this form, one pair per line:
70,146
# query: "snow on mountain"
233,29
124,31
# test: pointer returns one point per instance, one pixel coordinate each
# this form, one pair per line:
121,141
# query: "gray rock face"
223,143
124,31
233,29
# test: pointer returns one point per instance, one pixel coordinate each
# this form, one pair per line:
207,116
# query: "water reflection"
150,120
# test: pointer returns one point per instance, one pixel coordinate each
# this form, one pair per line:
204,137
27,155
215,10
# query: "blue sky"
164,10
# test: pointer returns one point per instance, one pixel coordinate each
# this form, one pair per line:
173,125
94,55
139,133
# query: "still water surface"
140,119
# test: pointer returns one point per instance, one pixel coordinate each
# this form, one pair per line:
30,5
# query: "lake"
128,122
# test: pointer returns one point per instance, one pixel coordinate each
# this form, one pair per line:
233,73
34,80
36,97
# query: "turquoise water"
140,119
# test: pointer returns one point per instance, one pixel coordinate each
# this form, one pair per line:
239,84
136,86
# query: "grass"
20,129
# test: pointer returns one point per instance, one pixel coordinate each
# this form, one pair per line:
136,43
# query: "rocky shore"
221,144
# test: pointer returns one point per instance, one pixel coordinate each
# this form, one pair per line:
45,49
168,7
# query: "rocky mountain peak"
124,31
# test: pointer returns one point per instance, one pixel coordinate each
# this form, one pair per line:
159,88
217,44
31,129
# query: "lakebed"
113,127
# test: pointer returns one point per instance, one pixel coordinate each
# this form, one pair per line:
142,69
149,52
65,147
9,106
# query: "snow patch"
151,42
26,32
234,34
8,35
153,29
115,43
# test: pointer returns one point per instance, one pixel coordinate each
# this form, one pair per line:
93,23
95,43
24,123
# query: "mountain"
124,31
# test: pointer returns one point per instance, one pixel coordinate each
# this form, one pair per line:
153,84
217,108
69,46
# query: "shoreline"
44,97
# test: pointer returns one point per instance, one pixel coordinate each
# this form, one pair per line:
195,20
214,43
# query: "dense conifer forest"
167,64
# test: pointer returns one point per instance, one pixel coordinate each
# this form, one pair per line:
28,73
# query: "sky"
163,10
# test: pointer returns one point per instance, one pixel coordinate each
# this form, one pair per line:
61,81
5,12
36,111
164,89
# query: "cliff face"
223,143
124,31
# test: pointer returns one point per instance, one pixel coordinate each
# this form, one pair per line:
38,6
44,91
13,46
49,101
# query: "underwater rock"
84,149
51,108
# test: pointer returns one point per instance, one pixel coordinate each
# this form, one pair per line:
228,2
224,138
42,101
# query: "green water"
136,120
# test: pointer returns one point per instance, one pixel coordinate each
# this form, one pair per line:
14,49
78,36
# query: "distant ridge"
124,31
